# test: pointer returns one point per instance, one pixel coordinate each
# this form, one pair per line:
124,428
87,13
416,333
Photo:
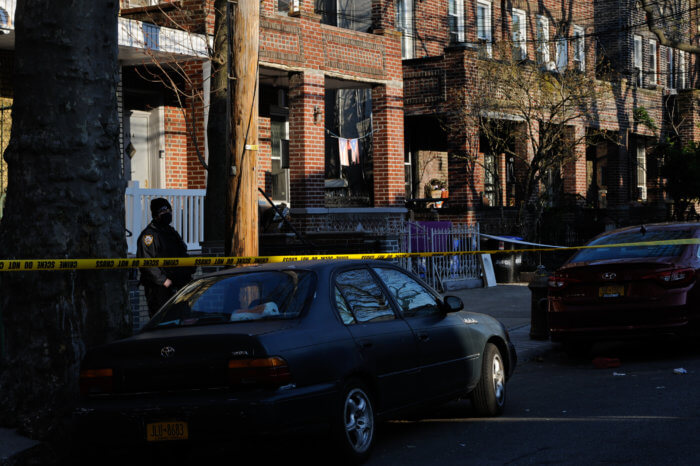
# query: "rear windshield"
237,298
633,252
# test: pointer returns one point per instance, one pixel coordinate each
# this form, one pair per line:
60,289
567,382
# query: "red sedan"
614,292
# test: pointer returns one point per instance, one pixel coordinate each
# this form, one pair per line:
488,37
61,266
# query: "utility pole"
242,196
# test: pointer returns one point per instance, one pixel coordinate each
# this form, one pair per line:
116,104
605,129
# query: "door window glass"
364,296
343,308
413,298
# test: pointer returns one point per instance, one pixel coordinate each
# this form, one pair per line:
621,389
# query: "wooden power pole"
242,196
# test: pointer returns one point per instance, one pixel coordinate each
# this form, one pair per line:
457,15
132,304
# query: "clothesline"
333,135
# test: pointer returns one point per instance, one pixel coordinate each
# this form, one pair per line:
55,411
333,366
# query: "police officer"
159,240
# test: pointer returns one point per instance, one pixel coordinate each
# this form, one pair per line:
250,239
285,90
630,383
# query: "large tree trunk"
65,199
217,177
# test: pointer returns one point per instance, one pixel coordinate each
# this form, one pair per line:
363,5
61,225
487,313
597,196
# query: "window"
404,24
343,308
635,236
641,173
349,14
483,26
579,49
562,53
653,63
279,139
364,296
681,70
489,180
455,17
542,40
638,60
670,69
412,297
240,297
519,34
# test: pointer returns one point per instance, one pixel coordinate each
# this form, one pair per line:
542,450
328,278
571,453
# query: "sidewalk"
509,303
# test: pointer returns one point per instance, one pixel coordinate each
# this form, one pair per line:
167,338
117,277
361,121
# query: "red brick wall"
175,149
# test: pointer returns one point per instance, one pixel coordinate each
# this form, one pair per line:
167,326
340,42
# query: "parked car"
340,344
614,292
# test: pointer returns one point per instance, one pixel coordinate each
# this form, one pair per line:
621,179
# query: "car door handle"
366,344
424,337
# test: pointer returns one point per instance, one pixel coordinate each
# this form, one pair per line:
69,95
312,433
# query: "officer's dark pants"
156,296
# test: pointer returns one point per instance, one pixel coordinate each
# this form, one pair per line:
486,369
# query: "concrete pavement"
509,303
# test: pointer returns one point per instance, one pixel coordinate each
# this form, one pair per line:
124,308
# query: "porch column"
388,156
574,172
307,160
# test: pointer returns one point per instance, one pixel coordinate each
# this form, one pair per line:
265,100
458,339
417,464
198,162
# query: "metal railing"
437,270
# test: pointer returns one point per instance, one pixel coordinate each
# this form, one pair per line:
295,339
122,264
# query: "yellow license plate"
611,291
162,431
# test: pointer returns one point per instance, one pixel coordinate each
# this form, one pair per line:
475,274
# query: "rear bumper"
209,416
611,323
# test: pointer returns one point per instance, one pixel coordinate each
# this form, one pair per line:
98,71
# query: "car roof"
652,227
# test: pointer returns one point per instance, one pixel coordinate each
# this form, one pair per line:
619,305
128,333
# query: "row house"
650,98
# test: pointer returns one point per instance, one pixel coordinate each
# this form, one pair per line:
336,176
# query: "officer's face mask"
165,216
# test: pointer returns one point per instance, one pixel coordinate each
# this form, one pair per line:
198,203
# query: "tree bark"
217,176
65,199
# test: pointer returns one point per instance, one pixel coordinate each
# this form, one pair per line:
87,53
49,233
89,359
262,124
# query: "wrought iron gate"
437,270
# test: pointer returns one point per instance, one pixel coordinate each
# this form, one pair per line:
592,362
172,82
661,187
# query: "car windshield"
634,252
236,298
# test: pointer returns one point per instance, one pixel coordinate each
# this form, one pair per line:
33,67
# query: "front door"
145,148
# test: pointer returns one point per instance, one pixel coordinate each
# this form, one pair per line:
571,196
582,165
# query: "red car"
614,292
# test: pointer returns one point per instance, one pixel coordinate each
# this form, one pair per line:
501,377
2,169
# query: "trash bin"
539,329
506,266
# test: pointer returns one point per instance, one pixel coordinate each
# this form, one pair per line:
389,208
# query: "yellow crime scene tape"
18,265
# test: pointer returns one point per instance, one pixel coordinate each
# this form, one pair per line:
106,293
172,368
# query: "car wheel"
489,396
356,424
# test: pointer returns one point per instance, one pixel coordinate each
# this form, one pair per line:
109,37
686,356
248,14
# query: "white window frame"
455,18
484,34
653,62
641,172
670,69
638,59
562,53
404,24
519,35
681,70
542,40
579,48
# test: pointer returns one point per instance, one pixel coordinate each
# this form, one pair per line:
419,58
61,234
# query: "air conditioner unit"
551,66
668,91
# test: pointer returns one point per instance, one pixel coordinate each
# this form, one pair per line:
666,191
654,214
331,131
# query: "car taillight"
675,277
560,281
272,371
96,381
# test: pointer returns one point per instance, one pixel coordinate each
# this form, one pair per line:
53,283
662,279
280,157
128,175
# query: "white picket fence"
188,213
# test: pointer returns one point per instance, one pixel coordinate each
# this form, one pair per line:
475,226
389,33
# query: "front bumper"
209,414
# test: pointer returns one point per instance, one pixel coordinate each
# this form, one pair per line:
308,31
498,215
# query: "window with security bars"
670,69
682,71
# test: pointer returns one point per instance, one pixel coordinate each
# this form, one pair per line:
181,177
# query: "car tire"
489,396
355,425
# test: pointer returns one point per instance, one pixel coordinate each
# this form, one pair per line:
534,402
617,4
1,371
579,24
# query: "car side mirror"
453,304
